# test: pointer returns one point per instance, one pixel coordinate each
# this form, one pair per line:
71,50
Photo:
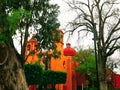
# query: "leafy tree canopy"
87,65
21,15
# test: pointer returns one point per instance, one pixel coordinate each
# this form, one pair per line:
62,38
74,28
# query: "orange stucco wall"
63,63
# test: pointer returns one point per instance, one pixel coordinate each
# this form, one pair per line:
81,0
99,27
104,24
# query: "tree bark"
102,79
102,71
11,72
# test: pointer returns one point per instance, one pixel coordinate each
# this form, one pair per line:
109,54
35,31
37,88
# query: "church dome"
68,51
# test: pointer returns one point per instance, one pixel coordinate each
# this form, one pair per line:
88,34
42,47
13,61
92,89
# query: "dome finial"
68,51
68,45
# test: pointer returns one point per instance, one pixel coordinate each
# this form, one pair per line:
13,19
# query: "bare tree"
100,17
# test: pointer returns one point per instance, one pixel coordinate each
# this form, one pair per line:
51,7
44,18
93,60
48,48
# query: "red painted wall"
116,81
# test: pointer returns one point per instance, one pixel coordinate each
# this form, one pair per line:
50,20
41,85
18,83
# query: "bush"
54,77
33,73
36,75
93,88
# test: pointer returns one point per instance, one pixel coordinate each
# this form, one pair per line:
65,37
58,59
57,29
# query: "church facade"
75,80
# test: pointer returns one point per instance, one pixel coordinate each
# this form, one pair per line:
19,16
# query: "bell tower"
32,49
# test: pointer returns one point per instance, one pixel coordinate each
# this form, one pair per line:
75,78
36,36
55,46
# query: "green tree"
87,64
100,17
21,16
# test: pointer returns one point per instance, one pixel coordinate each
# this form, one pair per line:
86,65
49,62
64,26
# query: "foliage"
15,18
33,73
47,25
22,15
2,38
36,75
54,77
82,55
93,88
87,64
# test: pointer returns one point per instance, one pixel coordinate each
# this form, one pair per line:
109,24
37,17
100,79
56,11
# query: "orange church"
75,80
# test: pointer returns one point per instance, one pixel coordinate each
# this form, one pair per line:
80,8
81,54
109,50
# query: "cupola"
68,51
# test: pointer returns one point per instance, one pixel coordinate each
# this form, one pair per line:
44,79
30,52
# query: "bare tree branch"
114,29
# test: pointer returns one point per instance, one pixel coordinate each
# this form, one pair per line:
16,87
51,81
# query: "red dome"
68,51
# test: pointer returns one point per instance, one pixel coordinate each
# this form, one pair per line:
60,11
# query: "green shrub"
36,75
93,88
54,77
33,73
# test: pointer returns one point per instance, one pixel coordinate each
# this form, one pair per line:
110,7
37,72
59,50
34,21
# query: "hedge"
33,73
54,77
36,75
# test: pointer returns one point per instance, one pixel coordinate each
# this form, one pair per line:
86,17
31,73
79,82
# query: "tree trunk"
11,72
102,72
102,79
103,85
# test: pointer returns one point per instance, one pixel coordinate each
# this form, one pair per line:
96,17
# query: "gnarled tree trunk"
11,72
